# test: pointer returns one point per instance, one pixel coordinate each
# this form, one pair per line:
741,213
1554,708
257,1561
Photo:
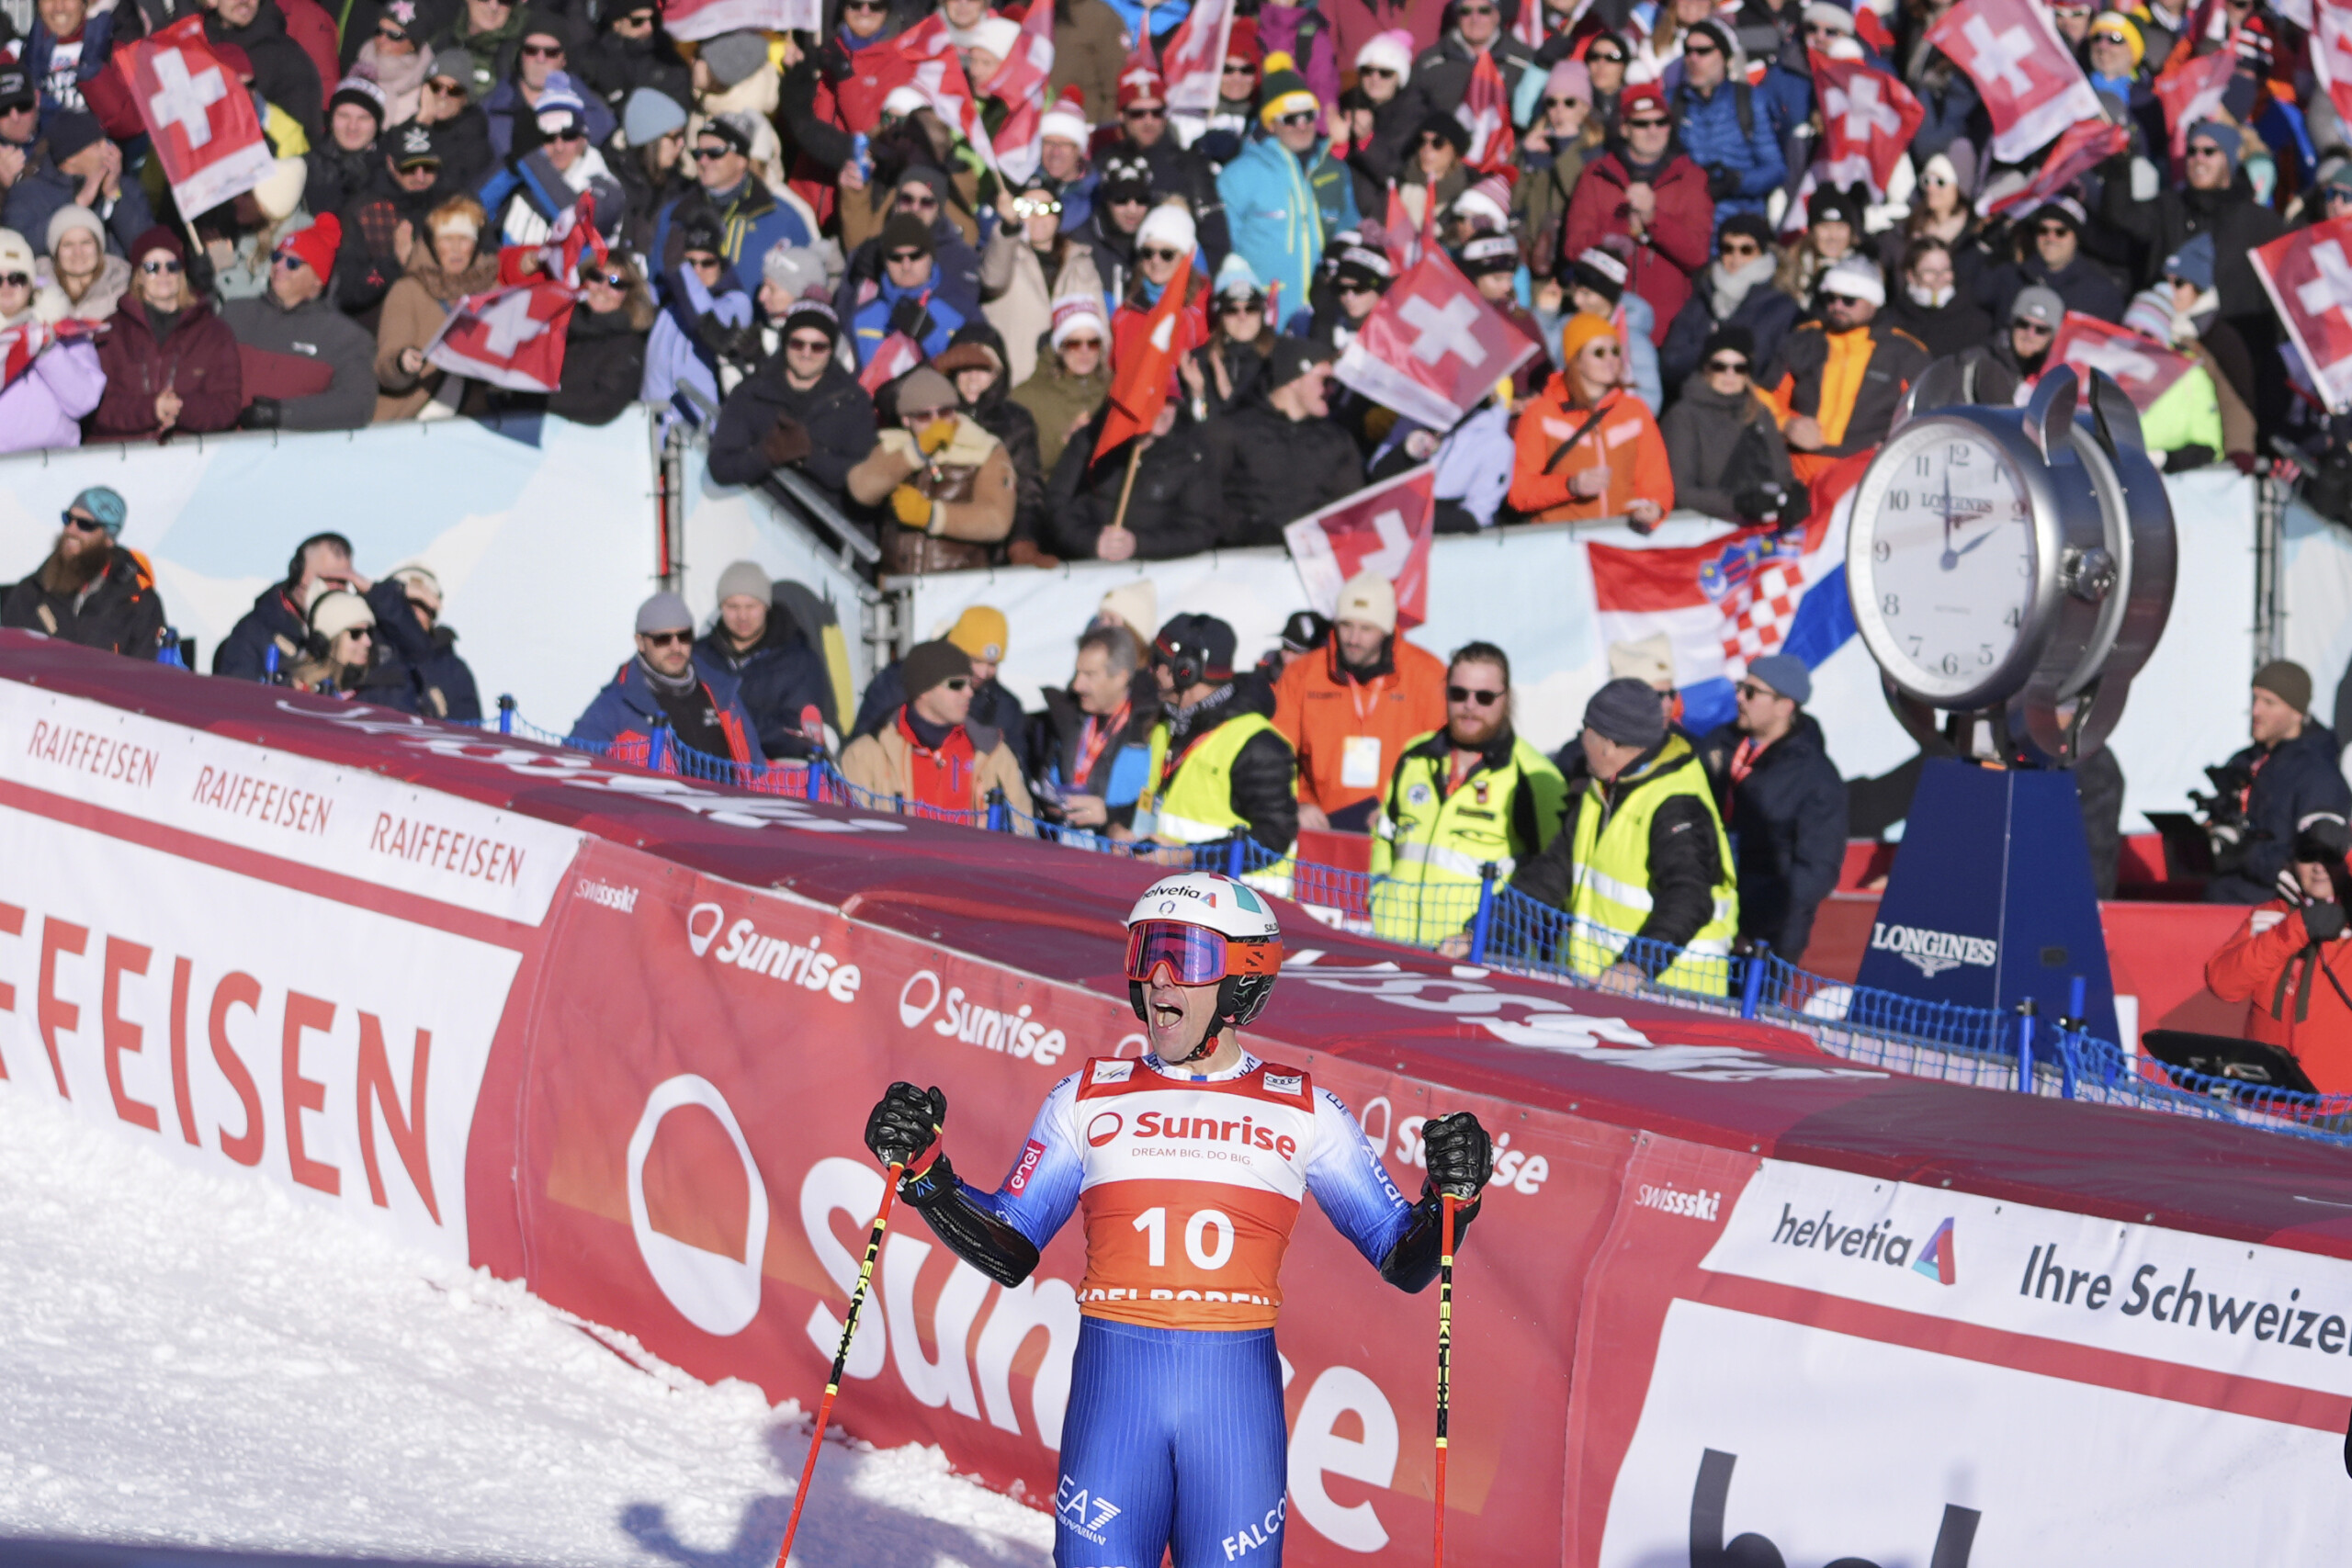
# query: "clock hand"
1950,557
1953,556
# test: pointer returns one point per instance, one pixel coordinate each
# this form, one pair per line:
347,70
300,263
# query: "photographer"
2270,790
2290,962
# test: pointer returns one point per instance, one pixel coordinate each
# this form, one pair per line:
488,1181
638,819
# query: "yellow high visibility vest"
1611,900
1428,846
1198,807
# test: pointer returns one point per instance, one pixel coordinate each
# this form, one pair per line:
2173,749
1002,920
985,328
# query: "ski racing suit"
1174,1437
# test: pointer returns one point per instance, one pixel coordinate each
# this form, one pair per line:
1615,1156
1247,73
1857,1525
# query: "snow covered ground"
188,1359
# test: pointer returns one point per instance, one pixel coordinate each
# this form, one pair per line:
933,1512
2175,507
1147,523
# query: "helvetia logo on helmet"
1104,1128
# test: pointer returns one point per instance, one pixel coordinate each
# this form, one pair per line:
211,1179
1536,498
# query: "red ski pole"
849,1332
1444,1355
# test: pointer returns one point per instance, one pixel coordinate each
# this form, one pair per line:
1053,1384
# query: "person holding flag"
1176,1393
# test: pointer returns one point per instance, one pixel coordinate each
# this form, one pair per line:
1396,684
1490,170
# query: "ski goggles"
1195,955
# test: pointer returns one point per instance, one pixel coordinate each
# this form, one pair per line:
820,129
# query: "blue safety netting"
1488,924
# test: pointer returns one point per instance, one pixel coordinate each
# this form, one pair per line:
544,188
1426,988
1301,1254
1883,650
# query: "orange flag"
1140,387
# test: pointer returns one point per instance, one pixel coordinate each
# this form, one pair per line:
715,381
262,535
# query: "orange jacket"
2274,966
1624,440
1318,707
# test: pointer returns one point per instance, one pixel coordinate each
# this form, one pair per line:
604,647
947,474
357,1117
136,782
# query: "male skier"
1189,1164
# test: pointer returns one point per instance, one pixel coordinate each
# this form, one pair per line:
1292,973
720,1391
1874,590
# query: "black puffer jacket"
1720,447
1171,513
603,367
1263,794
444,682
1272,470
275,620
2292,780
1787,821
123,613
836,412
777,679
1684,865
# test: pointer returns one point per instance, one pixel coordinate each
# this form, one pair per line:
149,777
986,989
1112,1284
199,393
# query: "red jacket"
198,361
2274,966
1677,244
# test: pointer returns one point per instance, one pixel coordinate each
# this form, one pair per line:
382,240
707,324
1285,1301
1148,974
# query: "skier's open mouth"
1165,1015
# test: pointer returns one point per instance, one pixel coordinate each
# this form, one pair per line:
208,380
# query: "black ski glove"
911,317
906,1122
2324,923
262,414
1723,181
1460,1155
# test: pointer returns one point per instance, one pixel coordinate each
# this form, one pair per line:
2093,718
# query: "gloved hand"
911,506
2323,923
909,316
786,442
933,439
1722,180
1459,1154
1759,503
262,414
905,1123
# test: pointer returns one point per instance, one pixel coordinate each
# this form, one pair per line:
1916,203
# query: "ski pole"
1444,1355
840,1357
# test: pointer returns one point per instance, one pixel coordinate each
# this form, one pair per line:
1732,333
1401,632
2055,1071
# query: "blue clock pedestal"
1991,899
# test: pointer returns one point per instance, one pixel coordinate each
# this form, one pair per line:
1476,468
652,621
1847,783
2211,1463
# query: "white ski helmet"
1234,911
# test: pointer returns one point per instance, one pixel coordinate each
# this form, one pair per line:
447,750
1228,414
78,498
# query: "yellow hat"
2128,27
1283,91
982,633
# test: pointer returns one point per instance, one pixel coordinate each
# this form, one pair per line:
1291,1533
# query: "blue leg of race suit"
1173,1439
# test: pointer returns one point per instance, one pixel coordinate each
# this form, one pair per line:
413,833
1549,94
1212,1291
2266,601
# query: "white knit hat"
1171,225
339,610
1077,313
1857,279
999,35
1370,599
904,100
1392,50
1066,119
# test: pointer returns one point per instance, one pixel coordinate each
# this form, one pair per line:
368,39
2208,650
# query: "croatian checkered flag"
509,337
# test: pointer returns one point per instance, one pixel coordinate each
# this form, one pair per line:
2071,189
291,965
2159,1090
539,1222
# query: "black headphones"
1184,663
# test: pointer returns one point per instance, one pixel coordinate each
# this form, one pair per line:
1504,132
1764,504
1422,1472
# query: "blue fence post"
1751,991
815,781
2073,1032
2026,1011
1482,925
657,749
269,662
168,650
1000,813
1233,864
505,713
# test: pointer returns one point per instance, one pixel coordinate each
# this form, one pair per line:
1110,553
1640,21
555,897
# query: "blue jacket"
681,370
753,221
1713,136
43,190
1282,211
625,714
98,49
2301,778
433,655
243,654
871,325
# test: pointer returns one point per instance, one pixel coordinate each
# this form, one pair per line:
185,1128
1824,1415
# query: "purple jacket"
44,406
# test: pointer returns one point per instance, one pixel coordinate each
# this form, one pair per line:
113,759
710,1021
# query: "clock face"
1948,581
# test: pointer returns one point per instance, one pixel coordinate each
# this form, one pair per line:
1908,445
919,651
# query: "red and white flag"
1867,118
2143,367
202,119
1194,61
1141,381
2192,91
509,337
2331,55
1433,348
893,357
1020,86
2308,275
2023,71
2085,146
698,19
1385,528
1397,235
24,343
1485,111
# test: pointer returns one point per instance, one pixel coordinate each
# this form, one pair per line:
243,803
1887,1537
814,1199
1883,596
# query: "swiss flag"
1384,529
1140,383
2023,71
1194,59
1020,86
2143,367
200,116
1433,347
698,19
2080,148
1867,118
893,357
1485,111
2193,90
2309,278
922,57
2331,44
509,337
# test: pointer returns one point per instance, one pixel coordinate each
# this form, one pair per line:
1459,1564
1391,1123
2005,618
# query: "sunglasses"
1697,48
1597,59
1304,117
1432,139
706,155
704,263
2117,38
1070,343
447,89
1740,248
1157,253
152,268
358,633
808,346
2206,150
1726,366
865,5
2338,193
543,52
287,260
572,134
17,279
634,19
1847,301
1373,71
1474,11
1352,287
905,257
1242,68
1243,307
1143,111
668,639
76,521
1601,350
921,199
1652,124
612,279
2031,329
1472,695
957,682
1195,954
2053,231
1566,103
391,32
924,416
1753,692
1937,180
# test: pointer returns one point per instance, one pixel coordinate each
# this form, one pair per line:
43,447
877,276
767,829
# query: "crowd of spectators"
1719,320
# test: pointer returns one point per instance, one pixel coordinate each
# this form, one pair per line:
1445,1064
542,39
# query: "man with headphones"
280,617
1219,767
1176,1398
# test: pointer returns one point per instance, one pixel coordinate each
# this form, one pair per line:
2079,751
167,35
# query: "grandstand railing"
1491,925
